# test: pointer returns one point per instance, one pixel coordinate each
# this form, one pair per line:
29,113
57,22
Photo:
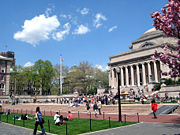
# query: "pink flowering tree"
168,21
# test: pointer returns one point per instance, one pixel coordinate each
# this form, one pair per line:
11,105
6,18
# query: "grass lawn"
74,127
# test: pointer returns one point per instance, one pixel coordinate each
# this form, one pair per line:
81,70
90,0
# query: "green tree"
32,79
44,75
85,79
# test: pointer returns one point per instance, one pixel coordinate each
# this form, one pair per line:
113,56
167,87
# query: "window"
3,66
2,78
2,85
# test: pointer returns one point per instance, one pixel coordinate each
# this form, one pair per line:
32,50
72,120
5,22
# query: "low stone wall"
172,91
30,99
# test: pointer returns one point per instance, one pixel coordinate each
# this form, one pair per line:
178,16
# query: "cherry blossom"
168,21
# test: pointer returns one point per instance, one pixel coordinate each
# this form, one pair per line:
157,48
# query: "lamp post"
119,100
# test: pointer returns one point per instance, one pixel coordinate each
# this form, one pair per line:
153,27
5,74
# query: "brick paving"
126,108
129,112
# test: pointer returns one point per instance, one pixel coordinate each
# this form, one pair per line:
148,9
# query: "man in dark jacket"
95,108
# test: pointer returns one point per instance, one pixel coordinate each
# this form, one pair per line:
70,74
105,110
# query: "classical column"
127,76
122,76
112,80
149,72
138,76
110,77
132,75
144,74
155,72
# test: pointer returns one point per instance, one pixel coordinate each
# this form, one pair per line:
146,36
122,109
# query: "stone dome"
151,33
150,30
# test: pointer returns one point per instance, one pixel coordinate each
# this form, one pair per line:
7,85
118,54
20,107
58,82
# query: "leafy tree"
169,23
101,77
85,79
44,74
31,79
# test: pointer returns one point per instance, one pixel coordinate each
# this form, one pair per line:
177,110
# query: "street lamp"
119,100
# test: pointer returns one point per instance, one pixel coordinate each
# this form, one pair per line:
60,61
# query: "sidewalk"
8,129
142,129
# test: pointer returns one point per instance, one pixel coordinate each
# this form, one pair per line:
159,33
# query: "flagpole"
60,75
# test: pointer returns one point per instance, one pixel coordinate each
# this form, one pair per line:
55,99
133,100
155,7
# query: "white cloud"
81,30
60,35
112,28
102,68
28,64
99,67
84,11
37,29
99,18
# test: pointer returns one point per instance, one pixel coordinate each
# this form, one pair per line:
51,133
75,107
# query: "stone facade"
6,62
137,69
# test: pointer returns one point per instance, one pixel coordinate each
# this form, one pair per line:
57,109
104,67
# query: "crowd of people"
91,99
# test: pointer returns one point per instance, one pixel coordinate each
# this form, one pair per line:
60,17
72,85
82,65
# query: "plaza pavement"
8,129
142,129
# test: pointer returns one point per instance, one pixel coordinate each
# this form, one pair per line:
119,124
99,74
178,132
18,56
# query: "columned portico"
137,69
135,74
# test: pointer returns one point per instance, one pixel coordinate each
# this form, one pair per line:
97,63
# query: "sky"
79,30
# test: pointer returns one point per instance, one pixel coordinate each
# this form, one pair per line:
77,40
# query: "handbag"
42,120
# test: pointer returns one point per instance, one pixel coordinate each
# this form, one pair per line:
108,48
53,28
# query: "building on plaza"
7,61
137,69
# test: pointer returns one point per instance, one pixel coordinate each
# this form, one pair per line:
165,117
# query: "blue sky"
80,30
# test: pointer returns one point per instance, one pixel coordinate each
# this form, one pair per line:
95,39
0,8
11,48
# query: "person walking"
99,107
95,108
87,106
39,121
154,108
